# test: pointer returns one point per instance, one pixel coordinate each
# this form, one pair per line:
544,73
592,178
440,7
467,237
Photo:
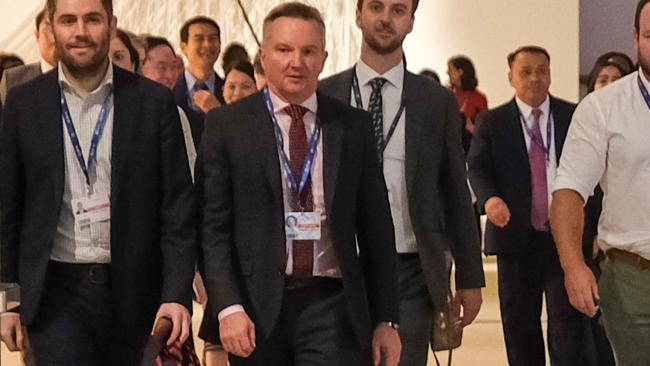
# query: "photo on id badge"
91,209
302,225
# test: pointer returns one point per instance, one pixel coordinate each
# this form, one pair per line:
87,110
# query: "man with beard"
417,139
324,290
607,144
94,281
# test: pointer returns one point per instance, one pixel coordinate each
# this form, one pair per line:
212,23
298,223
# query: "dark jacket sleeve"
178,212
215,190
460,220
479,162
376,236
11,192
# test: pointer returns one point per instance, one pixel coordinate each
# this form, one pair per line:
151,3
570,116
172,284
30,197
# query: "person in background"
234,52
199,88
463,81
9,61
431,75
122,52
260,78
608,68
240,81
24,73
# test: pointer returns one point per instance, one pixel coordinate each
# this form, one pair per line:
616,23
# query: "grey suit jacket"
18,76
436,180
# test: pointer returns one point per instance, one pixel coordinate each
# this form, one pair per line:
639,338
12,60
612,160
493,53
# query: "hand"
180,318
386,346
11,332
470,299
237,333
497,211
582,288
205,100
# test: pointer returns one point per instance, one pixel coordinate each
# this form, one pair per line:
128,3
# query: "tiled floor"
482,341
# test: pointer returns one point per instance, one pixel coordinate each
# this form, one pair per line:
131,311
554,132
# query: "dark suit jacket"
436,179
153,233
498,166
195,118
239,181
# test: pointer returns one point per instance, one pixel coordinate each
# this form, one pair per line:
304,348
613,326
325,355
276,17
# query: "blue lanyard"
309,160
74,138
402,106
644,90
538,141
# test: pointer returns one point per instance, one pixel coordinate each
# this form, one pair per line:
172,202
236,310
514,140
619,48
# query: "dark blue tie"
375,107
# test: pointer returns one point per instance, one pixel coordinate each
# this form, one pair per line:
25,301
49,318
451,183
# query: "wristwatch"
390,324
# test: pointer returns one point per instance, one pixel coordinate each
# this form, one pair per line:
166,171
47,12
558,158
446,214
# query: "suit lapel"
415,111
51,127
263,134
126,104
332,147
515,137
561,125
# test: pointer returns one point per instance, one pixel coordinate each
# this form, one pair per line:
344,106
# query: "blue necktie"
375,107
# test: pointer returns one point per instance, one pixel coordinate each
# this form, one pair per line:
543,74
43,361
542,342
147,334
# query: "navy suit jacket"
498,166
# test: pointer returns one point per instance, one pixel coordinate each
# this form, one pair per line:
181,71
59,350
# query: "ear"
184,48
636,41
113,27
326,54
510,77
411,24
358,18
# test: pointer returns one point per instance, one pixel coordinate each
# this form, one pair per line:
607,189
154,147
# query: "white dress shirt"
607,143
45,66
325,264
527,113
395,153
89,244
189,143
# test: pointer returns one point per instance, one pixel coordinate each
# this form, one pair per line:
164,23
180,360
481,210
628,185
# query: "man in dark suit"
512,165
19,75
93,283
303,294
199,89
424,170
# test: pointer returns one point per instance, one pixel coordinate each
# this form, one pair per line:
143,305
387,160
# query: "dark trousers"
72,325
416,311
523,280
313,330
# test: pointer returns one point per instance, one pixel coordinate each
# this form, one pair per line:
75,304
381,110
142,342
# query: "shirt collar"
191,80
45,66
310,103
107,82
527,110
644,79
395,76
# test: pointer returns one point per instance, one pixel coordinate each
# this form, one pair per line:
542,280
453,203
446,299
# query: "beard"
82,69
380,47
644,63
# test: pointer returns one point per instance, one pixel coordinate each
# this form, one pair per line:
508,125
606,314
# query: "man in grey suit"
417,135
19,75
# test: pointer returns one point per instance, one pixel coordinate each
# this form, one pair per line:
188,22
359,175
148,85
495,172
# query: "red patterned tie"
537,160
303,250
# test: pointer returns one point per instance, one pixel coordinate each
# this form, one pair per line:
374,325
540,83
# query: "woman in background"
239,81
123,54
463,82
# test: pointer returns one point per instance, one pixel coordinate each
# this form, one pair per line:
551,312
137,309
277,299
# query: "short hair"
151,42
234,52
9,60
619,60
185,29
257,64
528,49
133,53
107,4
637,15
430,74
415,5
241,66
298,10
468,80
39,18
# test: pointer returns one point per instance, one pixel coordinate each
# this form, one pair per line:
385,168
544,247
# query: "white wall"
487,30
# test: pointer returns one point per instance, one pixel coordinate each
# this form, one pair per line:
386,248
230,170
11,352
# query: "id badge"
302,225
92,209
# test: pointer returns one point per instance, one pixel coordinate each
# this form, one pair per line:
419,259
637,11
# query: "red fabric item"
471,102
176,355
303,250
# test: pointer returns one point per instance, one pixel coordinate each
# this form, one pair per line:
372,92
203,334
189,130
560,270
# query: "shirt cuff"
8,314
229,311
565,182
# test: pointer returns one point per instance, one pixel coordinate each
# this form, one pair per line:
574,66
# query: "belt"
293,283
96,273
617,255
